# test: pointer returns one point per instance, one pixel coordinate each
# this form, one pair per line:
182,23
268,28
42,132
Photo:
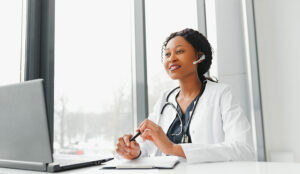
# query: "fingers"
147,124
127,149
121,146
141,127
145,134
151,131
134,145
121,151
126,139
121,142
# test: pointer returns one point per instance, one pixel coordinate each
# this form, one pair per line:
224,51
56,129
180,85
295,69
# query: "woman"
200,122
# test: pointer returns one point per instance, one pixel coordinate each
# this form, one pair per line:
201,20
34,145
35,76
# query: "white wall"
229,44
278,37
231,60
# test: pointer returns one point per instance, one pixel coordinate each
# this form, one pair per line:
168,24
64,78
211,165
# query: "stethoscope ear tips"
202,57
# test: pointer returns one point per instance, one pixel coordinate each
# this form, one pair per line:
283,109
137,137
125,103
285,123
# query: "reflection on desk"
184,168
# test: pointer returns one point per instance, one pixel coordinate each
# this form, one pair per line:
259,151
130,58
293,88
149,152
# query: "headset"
201,57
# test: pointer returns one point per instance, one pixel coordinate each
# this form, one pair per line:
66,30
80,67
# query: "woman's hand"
127,149
153,132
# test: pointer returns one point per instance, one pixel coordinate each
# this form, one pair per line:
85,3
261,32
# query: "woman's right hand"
127,149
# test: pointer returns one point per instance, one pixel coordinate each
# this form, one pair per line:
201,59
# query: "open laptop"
24,133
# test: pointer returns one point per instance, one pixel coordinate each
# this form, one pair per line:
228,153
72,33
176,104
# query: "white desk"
184,168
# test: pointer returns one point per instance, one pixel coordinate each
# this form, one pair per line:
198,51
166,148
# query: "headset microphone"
200,59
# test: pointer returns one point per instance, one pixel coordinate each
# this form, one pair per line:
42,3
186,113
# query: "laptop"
24,133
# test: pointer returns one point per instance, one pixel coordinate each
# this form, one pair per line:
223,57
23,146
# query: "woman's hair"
200,44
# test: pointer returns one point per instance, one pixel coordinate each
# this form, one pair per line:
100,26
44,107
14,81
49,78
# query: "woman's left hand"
153,132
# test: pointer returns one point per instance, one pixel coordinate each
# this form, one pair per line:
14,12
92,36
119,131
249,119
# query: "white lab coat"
219,129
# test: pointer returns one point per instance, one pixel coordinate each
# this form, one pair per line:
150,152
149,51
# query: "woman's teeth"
174,67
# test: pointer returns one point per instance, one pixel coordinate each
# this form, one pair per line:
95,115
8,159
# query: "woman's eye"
179,51
167,54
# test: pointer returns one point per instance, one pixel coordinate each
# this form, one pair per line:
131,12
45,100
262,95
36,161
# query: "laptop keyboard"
65,162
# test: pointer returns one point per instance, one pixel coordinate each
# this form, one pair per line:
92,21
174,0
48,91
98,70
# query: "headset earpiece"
201,58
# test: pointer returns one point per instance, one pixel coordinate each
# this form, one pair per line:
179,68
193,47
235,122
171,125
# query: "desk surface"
181,168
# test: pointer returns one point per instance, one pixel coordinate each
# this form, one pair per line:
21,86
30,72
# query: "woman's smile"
174,67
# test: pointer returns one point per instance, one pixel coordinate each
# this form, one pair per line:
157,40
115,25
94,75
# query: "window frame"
39,51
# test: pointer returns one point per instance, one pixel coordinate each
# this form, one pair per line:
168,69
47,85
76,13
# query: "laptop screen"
24,133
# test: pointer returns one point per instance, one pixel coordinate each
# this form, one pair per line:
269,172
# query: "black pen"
134,137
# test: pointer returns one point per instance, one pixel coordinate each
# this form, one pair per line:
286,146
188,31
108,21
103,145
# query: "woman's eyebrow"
175,47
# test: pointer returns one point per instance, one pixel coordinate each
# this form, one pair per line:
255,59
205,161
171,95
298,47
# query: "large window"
93,81
163,18
11,42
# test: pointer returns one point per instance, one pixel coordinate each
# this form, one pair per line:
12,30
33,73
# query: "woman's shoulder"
216,87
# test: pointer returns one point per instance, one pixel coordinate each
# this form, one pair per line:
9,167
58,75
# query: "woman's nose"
173,58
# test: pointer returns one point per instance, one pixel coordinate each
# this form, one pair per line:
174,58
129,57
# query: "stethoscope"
167,103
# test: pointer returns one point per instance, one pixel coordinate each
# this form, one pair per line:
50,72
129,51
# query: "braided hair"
200,44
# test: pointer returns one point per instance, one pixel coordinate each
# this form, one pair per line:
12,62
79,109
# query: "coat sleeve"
237,143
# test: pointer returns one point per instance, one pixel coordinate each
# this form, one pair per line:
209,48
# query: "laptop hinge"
36,166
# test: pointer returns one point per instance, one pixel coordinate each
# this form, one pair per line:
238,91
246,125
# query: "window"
11,42
163,18
212,35
93,81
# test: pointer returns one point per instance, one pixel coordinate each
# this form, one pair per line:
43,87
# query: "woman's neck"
190,87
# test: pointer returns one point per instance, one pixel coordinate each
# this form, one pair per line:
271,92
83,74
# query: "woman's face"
179,56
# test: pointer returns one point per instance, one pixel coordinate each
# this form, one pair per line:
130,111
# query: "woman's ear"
199,54
201,57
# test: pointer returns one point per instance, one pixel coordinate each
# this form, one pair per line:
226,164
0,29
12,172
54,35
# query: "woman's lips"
174,67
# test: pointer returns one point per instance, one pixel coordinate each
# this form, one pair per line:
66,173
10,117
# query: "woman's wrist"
177,150
137,156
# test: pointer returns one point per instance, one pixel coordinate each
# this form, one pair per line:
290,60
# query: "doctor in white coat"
200,120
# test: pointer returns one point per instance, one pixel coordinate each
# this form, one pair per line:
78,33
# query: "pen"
105,160
134,137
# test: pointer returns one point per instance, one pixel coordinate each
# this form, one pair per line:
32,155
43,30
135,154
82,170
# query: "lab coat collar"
172,97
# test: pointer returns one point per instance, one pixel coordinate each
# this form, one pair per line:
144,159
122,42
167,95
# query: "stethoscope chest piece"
185,138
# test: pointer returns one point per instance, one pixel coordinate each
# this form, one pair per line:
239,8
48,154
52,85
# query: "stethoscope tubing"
177,114
167,103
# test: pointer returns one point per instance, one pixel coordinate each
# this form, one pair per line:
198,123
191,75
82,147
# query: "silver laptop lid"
24,133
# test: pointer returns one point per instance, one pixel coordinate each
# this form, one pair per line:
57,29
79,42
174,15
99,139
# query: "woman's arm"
154,133
147,147
178,151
